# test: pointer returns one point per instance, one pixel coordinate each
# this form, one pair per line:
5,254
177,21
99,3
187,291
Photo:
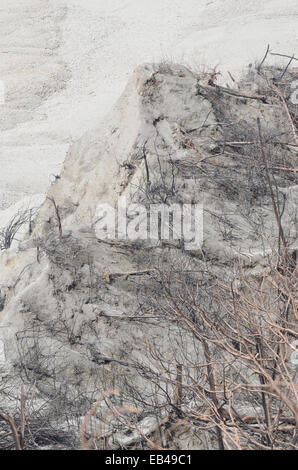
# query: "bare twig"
57,213
264,58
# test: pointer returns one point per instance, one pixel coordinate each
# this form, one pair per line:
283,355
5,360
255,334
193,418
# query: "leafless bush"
9,233
242,384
